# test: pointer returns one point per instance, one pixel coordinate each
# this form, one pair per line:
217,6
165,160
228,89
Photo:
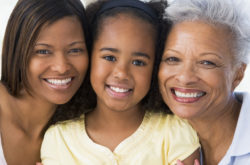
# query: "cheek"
163,74
81,64
219,80
143,78
36,67
99,70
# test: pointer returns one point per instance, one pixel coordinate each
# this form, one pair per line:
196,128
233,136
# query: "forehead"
200,35
124,27
126,35
121,18
69,26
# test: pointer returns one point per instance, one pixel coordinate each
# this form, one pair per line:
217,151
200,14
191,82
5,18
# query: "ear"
239,75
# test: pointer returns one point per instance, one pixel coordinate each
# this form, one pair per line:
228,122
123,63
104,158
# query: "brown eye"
76,50
110,58
42,52
207,64
139,63
172,60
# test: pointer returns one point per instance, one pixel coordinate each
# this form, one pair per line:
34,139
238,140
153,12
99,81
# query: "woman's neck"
216,132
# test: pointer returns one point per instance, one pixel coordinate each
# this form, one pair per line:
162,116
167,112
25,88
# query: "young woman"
44,61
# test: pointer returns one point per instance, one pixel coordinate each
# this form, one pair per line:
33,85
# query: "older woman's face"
197,73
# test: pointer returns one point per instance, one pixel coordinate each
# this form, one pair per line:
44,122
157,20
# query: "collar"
242,132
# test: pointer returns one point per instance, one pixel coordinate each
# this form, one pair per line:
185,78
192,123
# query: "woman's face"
59,61
197,73
122,62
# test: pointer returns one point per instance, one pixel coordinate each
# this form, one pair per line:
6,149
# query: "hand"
196,162
39,163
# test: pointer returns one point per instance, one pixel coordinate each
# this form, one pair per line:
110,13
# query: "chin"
60,101
184,114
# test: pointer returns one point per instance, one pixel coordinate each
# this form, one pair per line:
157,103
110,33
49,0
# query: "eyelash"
208,64
134,62
109,58
76,50
171,60
43,51
138,63
204,63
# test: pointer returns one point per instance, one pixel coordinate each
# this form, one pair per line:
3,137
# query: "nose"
60,63
121,71
187,74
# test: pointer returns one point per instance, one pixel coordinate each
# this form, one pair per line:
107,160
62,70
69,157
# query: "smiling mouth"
189,96
59,82
119,90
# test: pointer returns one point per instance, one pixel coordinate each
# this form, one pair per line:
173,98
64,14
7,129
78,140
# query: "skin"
198,58
123,57
59,53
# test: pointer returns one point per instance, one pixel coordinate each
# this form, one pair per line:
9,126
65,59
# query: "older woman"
204,60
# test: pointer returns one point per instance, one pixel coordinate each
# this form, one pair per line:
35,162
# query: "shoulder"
65,127
171,125
4,99
177,129
61,135
180,139
170,122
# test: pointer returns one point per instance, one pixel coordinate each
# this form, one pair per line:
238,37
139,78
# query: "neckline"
2,157
123,145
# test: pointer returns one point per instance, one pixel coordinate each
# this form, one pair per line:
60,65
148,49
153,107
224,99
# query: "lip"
124,91
59,87
184,95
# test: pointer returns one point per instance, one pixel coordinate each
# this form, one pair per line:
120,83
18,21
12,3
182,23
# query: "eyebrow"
172,50
202,54
137,54
140,54
77,42
71,44
42,44
110,49
211,53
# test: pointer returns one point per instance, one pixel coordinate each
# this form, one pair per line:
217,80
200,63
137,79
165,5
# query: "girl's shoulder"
168,120
171,124
67,126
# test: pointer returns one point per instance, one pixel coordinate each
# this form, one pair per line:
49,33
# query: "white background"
6,7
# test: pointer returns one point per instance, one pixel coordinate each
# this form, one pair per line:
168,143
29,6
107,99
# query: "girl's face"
122,62
59,61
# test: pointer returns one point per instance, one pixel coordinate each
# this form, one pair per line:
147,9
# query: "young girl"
44,61
121,128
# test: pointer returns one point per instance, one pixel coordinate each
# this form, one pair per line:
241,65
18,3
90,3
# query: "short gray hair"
231,13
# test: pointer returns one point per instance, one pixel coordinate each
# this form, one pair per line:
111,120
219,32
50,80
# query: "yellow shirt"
161,139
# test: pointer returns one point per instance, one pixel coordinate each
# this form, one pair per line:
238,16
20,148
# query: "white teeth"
188,95
59,82
119,90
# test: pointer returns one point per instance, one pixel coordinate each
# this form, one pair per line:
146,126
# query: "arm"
49,149
191,160
183,143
